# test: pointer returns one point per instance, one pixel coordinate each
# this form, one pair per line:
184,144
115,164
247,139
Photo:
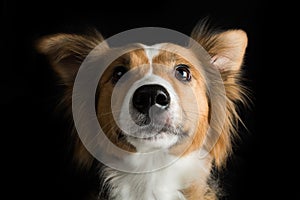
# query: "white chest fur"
163,184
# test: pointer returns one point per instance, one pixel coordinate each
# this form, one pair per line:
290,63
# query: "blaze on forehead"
164,53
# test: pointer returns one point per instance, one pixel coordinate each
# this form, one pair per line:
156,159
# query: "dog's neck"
168,183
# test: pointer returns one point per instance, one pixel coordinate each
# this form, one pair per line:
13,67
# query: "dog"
164,105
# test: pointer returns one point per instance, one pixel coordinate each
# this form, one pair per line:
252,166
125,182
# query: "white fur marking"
151,52
164,184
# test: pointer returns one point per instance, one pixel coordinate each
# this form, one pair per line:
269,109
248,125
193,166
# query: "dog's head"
157,97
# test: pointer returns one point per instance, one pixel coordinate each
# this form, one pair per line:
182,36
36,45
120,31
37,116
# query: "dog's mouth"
148,138
151,133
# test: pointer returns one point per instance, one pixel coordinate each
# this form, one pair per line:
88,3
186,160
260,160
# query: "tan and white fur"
189,178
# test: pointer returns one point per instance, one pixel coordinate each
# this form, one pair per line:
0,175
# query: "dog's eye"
183,73
118,73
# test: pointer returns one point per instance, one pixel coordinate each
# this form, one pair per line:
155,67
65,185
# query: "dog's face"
154,97
160,99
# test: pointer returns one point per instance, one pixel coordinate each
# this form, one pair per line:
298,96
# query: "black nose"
150,95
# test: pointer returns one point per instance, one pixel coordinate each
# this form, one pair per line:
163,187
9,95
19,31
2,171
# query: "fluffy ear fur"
227,51
65,53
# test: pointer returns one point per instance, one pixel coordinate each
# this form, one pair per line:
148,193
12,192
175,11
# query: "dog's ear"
226,48
230,54
227,51
67,51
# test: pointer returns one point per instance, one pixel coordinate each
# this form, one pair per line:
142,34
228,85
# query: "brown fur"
194,192
131,60
233,48
65,53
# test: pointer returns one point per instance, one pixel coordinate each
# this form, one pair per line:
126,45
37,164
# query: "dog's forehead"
162,53
152,51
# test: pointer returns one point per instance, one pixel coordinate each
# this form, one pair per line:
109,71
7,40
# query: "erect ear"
230,53
67,51
226,49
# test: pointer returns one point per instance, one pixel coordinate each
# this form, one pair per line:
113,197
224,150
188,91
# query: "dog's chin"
159,141
150,138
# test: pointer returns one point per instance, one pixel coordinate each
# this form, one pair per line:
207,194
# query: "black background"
37,163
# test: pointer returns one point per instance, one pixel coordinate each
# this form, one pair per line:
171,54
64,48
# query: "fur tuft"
65,53
228,47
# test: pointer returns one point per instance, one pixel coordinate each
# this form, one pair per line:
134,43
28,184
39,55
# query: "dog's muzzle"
150,101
